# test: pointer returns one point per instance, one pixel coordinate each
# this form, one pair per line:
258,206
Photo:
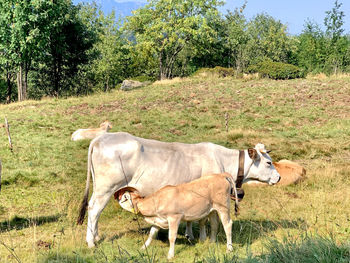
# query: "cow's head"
262,168
125,197
106,125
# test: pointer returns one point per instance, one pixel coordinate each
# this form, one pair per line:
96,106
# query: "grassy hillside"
307,121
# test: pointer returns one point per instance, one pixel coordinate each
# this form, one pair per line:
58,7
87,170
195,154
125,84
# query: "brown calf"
191,201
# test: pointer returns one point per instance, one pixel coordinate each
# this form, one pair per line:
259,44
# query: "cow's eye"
269,163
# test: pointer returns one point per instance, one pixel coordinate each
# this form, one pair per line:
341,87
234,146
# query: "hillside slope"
307,121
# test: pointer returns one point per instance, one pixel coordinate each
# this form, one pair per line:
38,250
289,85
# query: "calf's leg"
214,225
152,234
227,223
174,223
189,233
202,230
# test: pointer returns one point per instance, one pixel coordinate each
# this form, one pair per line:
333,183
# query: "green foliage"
311,52
276,70
113,60
164,28
68,42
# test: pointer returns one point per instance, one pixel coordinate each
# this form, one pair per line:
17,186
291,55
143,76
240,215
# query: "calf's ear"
121,191
253,154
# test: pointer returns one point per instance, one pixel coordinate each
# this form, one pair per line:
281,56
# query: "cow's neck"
247,163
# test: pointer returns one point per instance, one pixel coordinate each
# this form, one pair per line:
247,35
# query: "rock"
132,84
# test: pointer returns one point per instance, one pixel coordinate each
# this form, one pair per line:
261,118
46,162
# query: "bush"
276,70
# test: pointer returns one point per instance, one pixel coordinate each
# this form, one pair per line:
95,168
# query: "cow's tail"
84,203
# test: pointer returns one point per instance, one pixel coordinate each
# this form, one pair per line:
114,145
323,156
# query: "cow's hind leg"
152,234
96,205
188,232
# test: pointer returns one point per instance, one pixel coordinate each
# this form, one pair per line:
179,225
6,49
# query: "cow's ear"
253,154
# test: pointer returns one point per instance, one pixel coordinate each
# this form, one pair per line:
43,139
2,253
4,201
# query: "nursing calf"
195,200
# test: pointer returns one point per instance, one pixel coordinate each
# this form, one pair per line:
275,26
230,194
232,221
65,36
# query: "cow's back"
148,164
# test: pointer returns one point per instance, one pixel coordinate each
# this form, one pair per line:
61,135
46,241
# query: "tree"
337,44
267,39
113,53
163,28
237,38
66,45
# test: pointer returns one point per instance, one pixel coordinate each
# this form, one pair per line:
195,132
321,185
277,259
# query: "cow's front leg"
188,232
152,234
96,205
174,223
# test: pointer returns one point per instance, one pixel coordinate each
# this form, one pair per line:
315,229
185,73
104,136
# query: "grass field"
306,120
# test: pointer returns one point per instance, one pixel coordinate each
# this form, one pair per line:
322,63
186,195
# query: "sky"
293,13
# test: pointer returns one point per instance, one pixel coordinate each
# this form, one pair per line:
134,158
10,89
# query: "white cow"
120,159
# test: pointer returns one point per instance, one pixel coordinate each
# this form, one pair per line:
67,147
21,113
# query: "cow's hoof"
91,244
189,237
229,248
97,238
143,247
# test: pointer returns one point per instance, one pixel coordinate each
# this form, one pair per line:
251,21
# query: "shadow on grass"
23,222
247,231
243,231
64,258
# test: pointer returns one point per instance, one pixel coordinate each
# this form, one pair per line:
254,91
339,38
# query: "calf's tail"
84,203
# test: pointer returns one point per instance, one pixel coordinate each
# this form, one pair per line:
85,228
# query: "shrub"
276,70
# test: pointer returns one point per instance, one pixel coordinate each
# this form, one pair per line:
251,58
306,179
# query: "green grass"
307,121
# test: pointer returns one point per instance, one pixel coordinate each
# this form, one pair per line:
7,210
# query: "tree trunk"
19,83
9,87
162,73
25,82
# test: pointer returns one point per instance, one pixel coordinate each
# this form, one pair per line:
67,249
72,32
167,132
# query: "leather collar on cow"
240,176
240,173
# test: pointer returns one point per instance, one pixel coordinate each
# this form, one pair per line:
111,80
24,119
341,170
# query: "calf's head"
126,196
262,168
